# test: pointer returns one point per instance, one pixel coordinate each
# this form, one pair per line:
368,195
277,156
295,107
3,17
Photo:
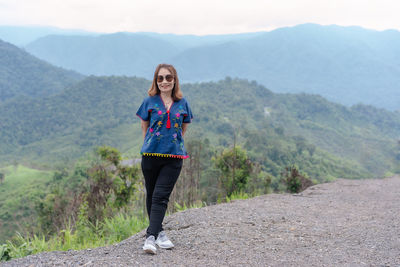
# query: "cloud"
198,17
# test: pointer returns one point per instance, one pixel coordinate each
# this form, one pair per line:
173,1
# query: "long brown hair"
176,91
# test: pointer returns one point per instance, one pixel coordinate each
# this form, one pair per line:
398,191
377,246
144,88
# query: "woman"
165,115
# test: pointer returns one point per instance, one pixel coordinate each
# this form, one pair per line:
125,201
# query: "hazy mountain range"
22,35
348,65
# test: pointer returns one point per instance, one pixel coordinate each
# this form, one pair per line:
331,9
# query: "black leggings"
160,175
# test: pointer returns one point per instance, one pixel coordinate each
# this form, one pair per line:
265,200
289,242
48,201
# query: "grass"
237,195
195,205
86,235
21,186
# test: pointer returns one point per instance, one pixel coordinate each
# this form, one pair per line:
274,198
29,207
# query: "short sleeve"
143,111
188,116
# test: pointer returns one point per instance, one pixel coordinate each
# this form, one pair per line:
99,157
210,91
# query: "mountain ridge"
22,35
348,65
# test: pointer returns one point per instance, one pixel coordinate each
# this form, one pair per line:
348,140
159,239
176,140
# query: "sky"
198,17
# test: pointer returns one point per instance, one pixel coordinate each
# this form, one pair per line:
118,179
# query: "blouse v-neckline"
165,107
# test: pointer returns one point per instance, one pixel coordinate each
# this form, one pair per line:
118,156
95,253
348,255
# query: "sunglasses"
168,77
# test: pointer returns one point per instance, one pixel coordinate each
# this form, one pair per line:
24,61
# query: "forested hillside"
348,65
68,124
277,129
21,74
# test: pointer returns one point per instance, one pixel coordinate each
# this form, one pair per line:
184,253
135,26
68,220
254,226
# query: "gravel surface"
344,223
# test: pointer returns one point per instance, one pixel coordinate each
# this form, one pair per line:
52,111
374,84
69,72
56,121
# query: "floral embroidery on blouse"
160,140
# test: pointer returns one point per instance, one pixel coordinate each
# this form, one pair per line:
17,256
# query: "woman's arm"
145,126
184,127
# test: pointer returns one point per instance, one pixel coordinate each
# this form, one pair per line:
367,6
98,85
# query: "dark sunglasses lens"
169,78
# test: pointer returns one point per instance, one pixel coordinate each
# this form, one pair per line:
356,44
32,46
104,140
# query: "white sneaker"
163,241
150,245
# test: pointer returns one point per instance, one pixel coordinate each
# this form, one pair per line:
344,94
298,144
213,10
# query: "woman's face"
164,81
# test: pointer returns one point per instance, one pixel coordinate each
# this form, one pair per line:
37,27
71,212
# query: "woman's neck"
166,95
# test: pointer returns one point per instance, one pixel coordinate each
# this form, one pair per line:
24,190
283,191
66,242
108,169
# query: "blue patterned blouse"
164,135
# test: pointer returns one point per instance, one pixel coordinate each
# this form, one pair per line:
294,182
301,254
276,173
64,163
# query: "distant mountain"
22,35
188,41
133,54
112,54
21,74
100,110
348,65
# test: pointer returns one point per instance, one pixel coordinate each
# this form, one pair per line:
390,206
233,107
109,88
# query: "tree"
100,187
235,168
109,181
2,177
186,190
301,144
295,182
259,181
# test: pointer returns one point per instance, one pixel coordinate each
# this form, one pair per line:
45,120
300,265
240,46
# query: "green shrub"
295,182
4,253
